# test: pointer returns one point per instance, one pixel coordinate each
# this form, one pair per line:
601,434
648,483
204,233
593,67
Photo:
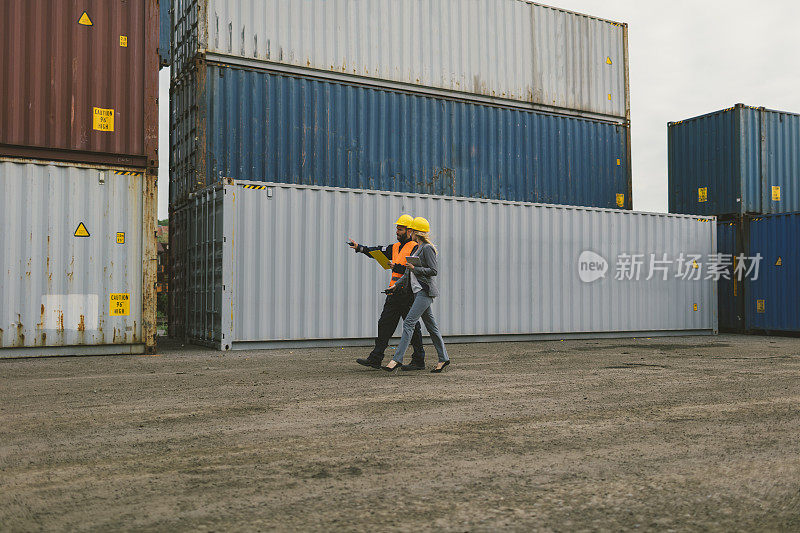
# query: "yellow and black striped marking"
259,187
128,173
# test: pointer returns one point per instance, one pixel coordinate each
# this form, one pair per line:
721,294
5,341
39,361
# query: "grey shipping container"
77,258
489,50
265,265
741,160
251,124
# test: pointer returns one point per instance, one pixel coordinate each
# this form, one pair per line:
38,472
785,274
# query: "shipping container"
77,258
512,50
249,124
80,81
773,299
741,160
266,266
731,241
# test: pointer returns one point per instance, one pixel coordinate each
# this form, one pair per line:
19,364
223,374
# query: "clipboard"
381,258
414,260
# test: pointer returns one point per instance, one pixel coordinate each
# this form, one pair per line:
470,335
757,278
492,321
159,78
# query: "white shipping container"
76,275
266,265
493,49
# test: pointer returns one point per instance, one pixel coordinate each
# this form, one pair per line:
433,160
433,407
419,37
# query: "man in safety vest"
396,305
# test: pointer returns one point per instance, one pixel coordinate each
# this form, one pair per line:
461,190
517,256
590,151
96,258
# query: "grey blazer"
426,273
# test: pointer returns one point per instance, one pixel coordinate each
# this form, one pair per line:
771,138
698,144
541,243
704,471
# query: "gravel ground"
686,433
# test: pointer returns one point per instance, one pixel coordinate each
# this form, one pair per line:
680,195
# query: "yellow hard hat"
405,221
420,224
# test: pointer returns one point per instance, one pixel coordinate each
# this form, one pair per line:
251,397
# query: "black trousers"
396,308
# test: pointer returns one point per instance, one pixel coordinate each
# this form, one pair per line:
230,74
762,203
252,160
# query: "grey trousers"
421,308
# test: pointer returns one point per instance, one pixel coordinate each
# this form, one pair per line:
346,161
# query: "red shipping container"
79,81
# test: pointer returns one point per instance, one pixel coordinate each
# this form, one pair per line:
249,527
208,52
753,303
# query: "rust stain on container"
69,92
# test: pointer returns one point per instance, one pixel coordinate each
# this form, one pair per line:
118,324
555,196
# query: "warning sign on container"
123,41
776,194
103,119
779,262
760,307
702,194
120,237
620,200
119,304
81,231
85,20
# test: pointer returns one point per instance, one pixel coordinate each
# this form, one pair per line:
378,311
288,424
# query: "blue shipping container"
733,162
257,125
730,291
773,300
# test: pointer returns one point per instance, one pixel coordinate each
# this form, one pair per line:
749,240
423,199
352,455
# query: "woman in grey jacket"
422,280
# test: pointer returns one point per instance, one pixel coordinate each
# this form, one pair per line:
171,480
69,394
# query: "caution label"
702,194
81,231
760,307
620,200
619,162
776,194
120,237
779,262
608,61
102,119
123,41
85,20
119,304
695,307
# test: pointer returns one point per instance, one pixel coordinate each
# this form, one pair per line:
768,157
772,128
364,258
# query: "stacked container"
78,165
488,99
302,121
743,165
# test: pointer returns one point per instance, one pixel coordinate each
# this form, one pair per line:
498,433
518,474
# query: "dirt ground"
689,433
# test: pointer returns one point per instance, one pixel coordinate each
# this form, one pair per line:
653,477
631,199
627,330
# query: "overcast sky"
686,58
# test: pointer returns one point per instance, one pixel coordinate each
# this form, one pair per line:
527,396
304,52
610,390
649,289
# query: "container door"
71,258
730,291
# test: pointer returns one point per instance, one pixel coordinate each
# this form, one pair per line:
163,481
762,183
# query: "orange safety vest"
399,256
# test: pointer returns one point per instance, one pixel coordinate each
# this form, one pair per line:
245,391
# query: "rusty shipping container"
79,81
77,259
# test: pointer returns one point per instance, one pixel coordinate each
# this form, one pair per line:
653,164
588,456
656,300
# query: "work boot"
371,361
417,363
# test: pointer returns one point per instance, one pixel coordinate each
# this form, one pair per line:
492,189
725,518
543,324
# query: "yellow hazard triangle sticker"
81,231
779,262
85,20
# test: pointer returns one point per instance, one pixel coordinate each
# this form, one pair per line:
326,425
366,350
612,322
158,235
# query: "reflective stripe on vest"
399,257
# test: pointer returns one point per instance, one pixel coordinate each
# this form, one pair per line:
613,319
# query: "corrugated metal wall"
782,161
256,125
773,300
736,161
57,287
506,49
506,269
80,81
